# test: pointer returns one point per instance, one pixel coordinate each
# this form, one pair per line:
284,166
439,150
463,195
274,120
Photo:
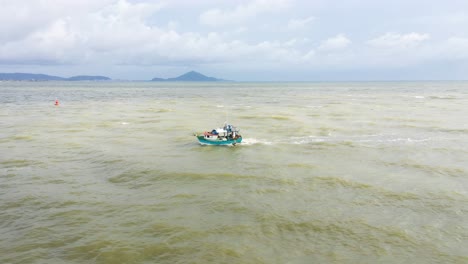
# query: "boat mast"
226,111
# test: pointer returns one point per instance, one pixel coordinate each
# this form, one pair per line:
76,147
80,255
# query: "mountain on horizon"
18,76
28,77
191,76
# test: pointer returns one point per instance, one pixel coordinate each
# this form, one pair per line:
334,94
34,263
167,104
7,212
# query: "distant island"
191,76
45,77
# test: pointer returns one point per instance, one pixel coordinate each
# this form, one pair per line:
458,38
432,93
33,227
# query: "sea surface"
326,173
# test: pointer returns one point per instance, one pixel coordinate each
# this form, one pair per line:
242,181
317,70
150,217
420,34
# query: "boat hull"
204,141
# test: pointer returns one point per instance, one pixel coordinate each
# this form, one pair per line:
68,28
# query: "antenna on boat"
226,111
227,117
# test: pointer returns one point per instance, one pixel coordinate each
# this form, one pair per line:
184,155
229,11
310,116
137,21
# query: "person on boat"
227,127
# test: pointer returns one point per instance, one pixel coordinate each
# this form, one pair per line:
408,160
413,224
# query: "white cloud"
124,9
241,13
298,24
309,55
18,19
338,42
172,25
119,33
49,45
291,42
69,32
398,41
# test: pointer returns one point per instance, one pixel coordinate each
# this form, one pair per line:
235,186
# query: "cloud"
101,31
241,13
398,41
45,46
338,42
69,32
298,24
121,33
18,19
309,56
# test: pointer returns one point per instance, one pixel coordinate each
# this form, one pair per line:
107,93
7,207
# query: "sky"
258,40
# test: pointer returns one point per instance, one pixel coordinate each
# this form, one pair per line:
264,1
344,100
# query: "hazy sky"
260,40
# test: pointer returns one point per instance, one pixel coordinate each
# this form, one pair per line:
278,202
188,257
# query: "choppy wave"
358,173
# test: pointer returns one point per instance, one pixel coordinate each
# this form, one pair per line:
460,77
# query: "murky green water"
327,173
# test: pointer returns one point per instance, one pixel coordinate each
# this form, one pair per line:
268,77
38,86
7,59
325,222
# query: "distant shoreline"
185,78
191,76
229,81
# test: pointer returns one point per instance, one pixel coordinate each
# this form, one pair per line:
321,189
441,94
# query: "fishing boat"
227,135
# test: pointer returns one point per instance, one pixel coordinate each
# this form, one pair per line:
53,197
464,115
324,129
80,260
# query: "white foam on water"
314,106
386,139
254,141
304,140
373,139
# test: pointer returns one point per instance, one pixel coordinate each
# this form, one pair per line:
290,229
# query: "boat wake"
378,139
254,141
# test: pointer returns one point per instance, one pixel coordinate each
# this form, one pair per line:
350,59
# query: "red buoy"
56,102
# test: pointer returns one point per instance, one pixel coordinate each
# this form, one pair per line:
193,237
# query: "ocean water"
327,173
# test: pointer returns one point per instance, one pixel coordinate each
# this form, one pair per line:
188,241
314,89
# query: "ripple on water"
347,174
264,118
17,138
150,175
19,163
